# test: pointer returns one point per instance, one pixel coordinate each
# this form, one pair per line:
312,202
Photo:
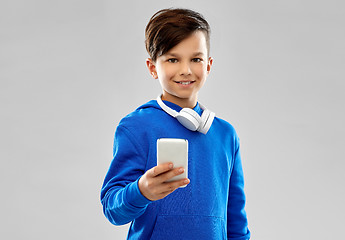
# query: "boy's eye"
172,60
196,59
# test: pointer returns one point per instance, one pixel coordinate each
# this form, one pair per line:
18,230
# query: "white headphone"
189,118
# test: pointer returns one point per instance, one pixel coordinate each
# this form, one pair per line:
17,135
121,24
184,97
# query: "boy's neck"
182,102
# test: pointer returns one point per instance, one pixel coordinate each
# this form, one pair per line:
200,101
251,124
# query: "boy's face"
182,71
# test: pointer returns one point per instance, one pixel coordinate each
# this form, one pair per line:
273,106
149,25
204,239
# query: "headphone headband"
167,109
189,118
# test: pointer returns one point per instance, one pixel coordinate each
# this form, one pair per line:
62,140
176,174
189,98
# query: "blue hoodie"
212,204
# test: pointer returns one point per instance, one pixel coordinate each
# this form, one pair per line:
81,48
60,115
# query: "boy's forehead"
187,53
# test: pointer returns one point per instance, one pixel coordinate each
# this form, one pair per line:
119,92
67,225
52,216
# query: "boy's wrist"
135,197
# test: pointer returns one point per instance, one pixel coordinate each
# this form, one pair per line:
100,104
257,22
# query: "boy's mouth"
185,82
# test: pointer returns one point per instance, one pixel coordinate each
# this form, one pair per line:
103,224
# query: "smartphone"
173,150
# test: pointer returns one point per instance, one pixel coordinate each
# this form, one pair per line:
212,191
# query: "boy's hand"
153,183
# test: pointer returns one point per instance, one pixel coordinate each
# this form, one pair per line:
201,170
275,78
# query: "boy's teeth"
185,83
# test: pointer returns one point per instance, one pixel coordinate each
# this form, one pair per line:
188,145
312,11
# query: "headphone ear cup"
189,119
208,119
204,116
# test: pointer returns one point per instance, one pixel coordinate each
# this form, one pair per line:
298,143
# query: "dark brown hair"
168,27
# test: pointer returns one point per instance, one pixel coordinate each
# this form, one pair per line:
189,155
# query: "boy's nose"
185,69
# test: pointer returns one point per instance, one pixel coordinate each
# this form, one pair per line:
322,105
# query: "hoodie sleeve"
120,195
237,225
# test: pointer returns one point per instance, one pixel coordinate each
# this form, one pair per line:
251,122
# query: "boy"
135,188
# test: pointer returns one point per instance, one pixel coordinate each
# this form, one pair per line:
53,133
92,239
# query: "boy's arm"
120,195
237,225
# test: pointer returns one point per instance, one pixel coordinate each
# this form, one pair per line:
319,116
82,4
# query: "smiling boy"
135,188
182,71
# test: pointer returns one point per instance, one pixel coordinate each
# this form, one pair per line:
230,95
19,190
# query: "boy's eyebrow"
176,55
198,54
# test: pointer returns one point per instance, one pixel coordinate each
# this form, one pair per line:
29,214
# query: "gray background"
70,70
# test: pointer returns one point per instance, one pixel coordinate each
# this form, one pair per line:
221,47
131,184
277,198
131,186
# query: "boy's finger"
172,186
177,171
168,175
159,169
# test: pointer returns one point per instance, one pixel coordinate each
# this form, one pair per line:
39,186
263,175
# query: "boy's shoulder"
224,124
224,129
141,115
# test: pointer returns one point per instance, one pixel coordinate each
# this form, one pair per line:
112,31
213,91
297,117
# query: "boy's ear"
209,64
152,68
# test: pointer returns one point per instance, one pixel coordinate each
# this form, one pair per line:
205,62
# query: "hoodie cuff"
134,196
